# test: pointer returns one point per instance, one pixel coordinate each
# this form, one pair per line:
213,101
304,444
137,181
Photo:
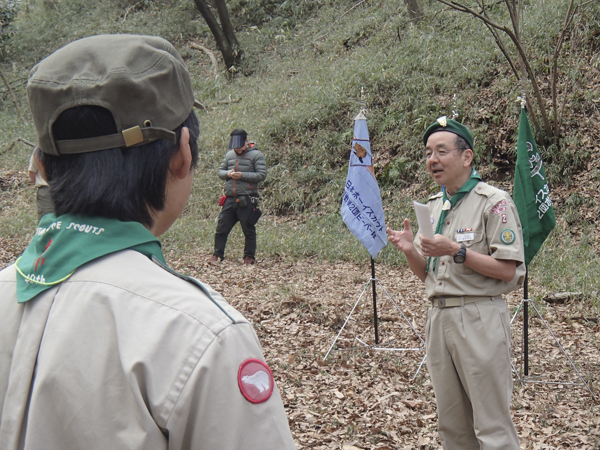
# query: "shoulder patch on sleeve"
507,236
500,207
255,380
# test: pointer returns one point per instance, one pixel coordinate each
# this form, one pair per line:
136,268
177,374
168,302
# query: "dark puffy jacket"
251,163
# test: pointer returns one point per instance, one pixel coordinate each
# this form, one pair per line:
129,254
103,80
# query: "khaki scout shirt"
124,355
485,221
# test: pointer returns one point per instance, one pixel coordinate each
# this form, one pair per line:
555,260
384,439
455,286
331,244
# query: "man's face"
241,150
446,165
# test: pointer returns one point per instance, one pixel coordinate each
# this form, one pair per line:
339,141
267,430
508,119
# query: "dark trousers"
231,213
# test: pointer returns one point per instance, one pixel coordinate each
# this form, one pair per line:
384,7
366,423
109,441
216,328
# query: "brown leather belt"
452,302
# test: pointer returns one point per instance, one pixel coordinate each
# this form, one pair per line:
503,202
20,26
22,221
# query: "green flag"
531,193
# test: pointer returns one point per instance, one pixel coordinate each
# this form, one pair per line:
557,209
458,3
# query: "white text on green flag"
531,192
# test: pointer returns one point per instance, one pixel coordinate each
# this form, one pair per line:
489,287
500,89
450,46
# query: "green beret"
452,126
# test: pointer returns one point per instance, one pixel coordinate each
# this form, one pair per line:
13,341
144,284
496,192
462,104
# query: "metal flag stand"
373,281
525,302
534,380
361,213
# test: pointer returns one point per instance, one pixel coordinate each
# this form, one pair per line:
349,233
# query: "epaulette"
433,197
489,191
192,281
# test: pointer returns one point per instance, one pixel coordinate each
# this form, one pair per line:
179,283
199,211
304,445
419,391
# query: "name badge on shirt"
465,237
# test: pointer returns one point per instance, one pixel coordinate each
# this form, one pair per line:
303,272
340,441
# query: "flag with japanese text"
531,192
361,210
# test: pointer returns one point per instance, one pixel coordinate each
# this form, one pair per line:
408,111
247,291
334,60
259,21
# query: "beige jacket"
486,221
124,355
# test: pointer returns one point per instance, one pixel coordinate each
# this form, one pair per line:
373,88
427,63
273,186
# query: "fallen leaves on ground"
362,398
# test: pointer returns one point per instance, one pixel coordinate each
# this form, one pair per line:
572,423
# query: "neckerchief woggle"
63,244
449,203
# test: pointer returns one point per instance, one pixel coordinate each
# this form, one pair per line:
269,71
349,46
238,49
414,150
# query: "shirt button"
447,223
443,264
440,283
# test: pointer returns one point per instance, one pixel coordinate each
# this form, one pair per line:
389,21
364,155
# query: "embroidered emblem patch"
255,380
501,207
507,236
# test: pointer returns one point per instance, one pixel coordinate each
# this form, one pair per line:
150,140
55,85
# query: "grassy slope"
298,93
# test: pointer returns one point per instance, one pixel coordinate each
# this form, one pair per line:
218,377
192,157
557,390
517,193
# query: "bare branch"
554,79
210,54
229,101
504,51
13,143
521,52
129,10
466,9
12,96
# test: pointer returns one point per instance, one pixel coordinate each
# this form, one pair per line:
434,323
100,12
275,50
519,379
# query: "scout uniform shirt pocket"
473,240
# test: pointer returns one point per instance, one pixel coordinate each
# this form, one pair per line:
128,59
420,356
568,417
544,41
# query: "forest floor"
361,398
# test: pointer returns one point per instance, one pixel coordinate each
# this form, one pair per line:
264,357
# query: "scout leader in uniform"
475,256
101,345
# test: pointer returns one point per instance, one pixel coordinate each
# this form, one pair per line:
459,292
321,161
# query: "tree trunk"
228,29
222,41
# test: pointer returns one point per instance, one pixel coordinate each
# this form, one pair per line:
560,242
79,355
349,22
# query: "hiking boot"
249,260
214,259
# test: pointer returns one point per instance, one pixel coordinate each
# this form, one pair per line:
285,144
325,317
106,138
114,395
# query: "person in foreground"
475,256
102,345
242,168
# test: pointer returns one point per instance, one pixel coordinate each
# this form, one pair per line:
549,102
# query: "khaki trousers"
44,202
468,358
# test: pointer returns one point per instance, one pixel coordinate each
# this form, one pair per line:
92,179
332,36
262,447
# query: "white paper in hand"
423,219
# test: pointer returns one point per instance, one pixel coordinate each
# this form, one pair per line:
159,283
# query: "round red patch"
255,380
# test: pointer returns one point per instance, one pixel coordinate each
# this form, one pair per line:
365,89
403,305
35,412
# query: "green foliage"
298,93
565,264
401,171
40,29
565,160
279,15
8,14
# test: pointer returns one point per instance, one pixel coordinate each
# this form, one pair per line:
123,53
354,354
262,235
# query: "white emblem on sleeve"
255,380
260,379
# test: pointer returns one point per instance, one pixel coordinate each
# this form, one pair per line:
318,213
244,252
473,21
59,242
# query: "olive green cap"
452,126
141,80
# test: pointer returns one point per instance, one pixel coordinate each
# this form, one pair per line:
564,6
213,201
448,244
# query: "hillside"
297,92
299,88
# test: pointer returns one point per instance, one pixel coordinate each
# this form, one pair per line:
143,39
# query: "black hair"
119,183
461,144
239,132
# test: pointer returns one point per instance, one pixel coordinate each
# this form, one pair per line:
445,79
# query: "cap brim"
237,141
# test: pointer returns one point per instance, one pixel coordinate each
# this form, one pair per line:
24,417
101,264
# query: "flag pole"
373,279
526,324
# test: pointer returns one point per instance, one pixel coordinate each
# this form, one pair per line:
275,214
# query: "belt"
452,302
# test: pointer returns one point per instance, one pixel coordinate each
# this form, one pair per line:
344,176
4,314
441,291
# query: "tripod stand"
373,282
527,379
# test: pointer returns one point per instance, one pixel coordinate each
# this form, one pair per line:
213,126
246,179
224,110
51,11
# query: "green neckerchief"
63,244
449,203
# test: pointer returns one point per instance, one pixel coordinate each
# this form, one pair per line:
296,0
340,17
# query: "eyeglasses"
439,153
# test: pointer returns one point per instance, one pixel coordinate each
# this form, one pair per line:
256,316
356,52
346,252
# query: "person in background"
43,198
475,256
102,345
242,169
